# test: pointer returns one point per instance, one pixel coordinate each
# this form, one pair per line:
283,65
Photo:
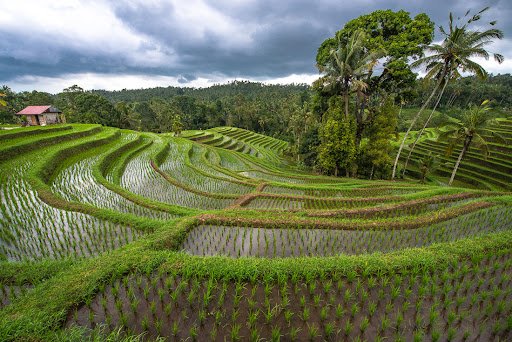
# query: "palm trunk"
467,141
360,124
410,128
423,128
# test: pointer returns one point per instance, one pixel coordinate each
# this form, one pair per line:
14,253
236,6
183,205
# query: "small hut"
41,115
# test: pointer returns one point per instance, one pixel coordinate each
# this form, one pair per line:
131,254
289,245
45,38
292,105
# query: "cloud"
186,41
90,81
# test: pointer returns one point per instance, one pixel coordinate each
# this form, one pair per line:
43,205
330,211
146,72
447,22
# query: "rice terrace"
299,229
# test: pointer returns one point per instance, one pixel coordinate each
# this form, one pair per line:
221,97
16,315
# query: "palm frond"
475,68
447,121
480,143
500,137
498,58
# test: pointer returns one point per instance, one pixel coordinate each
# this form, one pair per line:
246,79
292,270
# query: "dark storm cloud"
234,39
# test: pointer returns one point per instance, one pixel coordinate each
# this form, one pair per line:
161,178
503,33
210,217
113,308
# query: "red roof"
34,110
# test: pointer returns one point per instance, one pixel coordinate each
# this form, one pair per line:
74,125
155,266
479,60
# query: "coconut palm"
444,61
468,131
349,65
427,164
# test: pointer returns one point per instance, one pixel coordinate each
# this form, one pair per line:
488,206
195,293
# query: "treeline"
470,90
266,109
228,103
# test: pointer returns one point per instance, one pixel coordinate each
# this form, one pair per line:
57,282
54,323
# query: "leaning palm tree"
459,46
468,130
349,66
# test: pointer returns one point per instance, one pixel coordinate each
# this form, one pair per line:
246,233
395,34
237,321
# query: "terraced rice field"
478,171
214,235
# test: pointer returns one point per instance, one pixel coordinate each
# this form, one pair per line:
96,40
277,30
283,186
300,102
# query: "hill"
217,235
250,90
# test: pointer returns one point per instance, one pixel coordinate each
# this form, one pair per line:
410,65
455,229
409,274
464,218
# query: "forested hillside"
251,105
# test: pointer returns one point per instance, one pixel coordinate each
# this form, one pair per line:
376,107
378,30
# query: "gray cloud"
256,39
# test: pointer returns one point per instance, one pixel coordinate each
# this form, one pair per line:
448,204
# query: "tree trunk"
467,141
410,128
297,151
423,128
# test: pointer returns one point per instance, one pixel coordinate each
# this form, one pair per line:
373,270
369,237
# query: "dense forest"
217,105
262,108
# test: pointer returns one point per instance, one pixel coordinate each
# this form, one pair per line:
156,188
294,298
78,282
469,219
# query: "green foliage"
91,108
427,165
394,32
12,105
468,90
250,105
377,148
348,61
337,149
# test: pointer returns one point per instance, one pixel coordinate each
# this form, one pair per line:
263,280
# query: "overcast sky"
99,44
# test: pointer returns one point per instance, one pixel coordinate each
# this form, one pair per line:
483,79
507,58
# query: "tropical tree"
349,65
376,147
427,164
337,150
468,131
444,61
395,37
177,125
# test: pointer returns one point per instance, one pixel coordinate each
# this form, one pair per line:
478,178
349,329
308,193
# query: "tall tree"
387,37
376,150
337,148
397,37
468,131
459,46
349,65
12,104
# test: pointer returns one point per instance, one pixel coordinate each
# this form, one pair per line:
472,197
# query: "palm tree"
446,59
427,164
349,64
468,130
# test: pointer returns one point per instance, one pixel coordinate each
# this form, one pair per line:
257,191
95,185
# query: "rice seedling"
313,275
